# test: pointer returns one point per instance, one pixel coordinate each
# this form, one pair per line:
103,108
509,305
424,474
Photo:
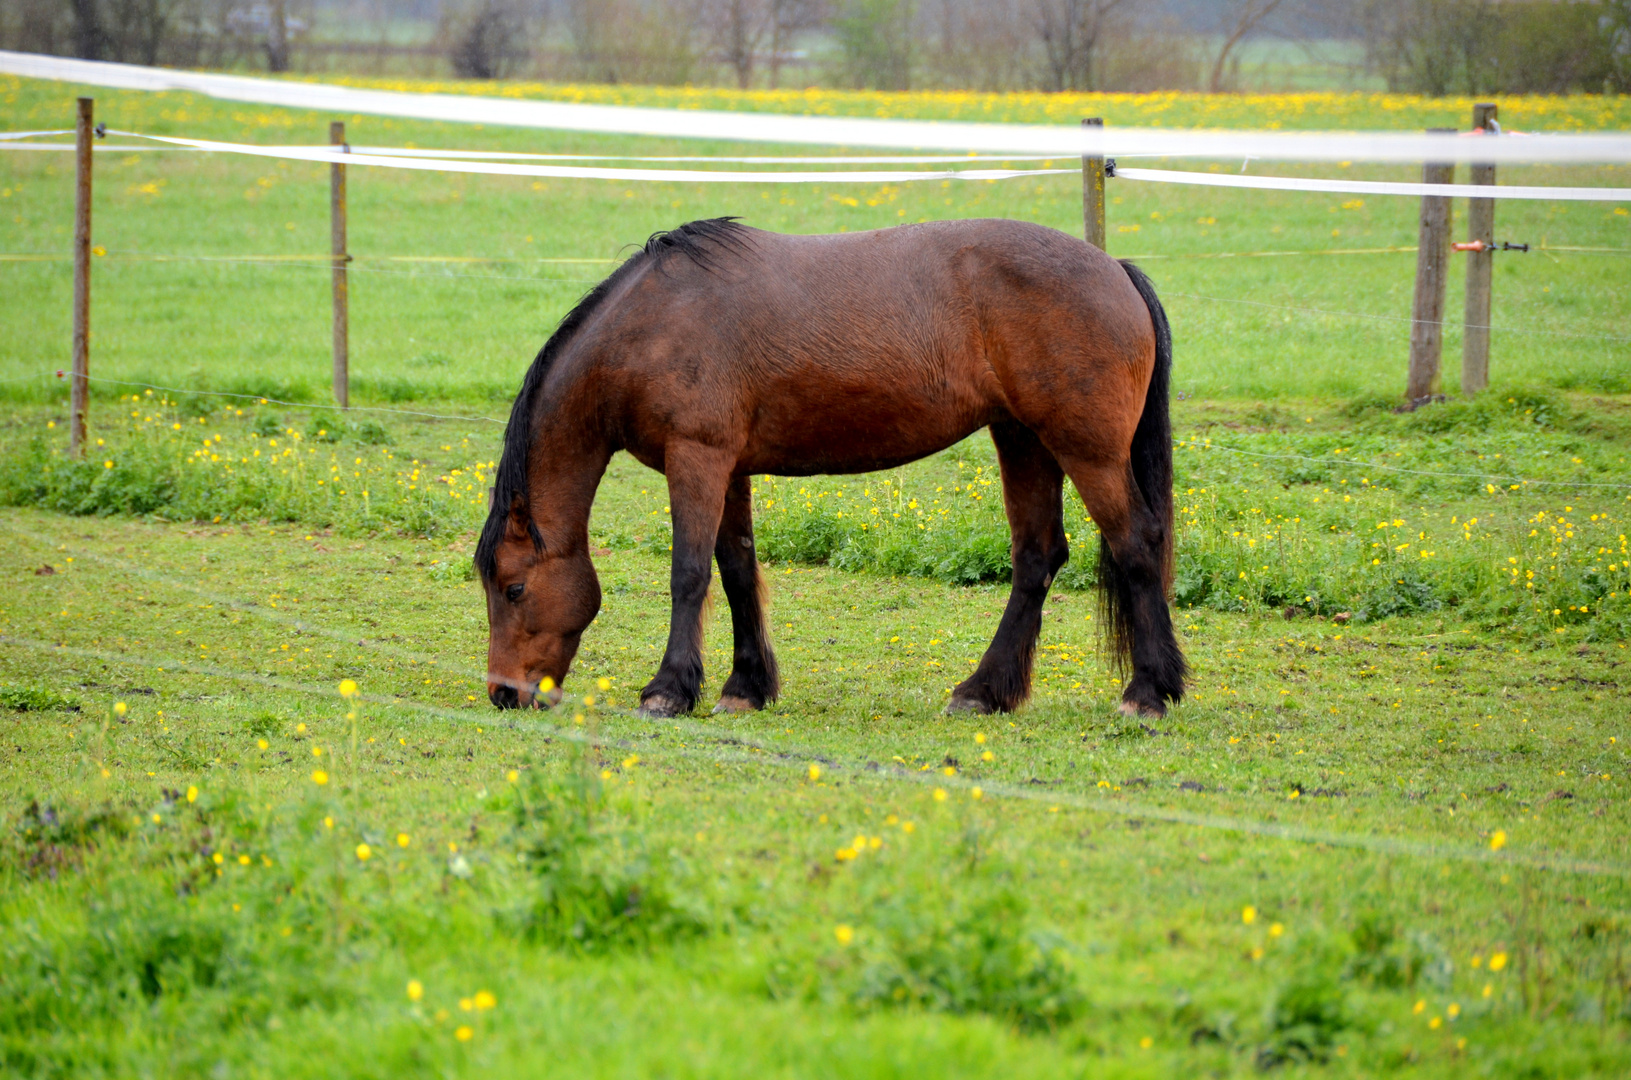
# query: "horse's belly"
836,427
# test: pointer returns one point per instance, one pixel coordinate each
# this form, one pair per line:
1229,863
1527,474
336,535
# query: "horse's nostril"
505,697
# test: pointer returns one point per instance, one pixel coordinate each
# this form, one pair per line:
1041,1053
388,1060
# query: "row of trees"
1488,47
883,44
1428,46
179,33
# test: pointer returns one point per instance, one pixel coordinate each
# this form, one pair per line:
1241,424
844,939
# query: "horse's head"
539,602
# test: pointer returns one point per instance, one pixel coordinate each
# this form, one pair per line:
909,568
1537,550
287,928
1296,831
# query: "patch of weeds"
594,885
985,557
1368,405
34,699
1383,960
193,406
962,950
1198,1025
154,465
452,571
44,840
616,539
328,428
805,539
324,429
1264,415
369,433
142,948
1304,1018
660,540
1408,594
264,725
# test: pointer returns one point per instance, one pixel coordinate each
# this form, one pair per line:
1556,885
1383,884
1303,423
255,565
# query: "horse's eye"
513,593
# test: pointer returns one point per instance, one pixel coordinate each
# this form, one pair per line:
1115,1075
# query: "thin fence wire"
317,263
326,263
768,754
327,260
264,400
1396,318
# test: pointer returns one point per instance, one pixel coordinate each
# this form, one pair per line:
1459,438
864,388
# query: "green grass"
1310,867
1093,895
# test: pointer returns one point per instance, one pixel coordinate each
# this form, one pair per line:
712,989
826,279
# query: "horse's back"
852,351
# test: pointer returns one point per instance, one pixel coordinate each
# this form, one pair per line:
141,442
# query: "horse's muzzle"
505,695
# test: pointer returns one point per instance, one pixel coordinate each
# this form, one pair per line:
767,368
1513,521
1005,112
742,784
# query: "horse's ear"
518,523
519,526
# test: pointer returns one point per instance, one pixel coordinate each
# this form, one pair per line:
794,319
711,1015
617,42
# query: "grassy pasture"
1387,844
1254,326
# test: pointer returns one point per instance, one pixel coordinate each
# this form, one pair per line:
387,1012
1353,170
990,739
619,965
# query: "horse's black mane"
701,242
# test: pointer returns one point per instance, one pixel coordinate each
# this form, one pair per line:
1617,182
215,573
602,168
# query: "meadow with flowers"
257,817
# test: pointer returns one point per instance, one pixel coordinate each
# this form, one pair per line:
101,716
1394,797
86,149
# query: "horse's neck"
563,475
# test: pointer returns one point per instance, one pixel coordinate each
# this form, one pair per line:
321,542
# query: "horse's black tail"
1152,441
1152,471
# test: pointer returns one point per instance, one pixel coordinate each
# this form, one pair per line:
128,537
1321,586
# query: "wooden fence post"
336,207
79,386
1480,266
1432,263
1093,189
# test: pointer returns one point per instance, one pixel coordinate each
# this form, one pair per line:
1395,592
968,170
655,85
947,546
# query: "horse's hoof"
1134,711
732,704
963,704
658,707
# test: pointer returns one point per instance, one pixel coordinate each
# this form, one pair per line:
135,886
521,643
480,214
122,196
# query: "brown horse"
718,352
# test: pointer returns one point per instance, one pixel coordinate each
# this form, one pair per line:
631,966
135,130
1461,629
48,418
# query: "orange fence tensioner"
1479,245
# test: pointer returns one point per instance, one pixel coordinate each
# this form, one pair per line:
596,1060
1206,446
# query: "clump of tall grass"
942,936
167,461
1431,511
1401,516
594,883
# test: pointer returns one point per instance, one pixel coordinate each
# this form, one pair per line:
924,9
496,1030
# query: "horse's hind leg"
1032,485
754,679
697,477
1132,588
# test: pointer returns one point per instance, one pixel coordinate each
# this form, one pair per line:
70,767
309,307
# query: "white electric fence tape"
578,172
709,176
503,155
1055,140
361,155
831,159
1372,187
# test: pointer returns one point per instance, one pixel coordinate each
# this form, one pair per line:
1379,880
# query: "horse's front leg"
754,679
697,476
